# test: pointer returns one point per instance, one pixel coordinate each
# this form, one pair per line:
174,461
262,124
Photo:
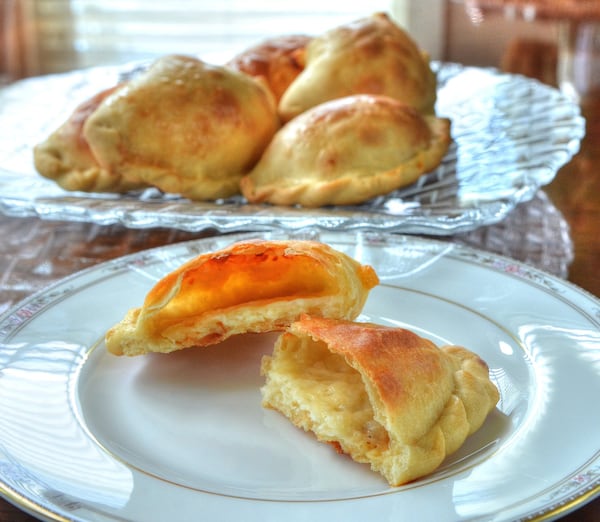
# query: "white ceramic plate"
510,136
88,436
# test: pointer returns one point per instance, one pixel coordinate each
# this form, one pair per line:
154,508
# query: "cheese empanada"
371,55
250,286
385,396
65,156
347,151
277,60
184,126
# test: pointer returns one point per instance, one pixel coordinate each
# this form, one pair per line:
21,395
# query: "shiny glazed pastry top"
250,286
385,396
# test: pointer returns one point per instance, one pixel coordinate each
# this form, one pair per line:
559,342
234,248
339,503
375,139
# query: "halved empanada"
278,60
184,126
383,395
250,286
347,151
371,55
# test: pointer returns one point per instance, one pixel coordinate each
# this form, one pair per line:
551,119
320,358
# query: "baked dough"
66,158
347,151
249,286
371,55
277,60
184,126
383,395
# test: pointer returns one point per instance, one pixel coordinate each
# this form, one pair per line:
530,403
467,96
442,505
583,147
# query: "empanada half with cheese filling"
385,396
184,126
347,151
249,286
372,55
66,158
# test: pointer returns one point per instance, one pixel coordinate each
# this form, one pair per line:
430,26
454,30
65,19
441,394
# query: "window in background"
46,36
116,30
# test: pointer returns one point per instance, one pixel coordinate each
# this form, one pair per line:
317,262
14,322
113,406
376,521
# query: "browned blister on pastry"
385,396
372,55
277,60
250,286
65,156
347,151
184,126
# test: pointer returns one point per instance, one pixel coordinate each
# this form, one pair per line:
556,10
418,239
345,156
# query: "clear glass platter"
510,136
87,436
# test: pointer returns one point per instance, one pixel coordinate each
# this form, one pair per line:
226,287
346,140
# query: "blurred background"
47,36
555,41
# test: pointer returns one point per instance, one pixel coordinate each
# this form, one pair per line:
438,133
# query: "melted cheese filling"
239,280
321,393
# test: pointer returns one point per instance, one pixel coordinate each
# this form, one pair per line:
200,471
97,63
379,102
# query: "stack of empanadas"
199,130
384,396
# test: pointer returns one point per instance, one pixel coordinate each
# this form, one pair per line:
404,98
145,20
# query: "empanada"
278,60
347,151
184,126
385,396
250,286
371,55
66,158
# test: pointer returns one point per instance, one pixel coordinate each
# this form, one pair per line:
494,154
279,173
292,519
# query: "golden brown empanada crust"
184,126
372,55
383,395
279,60
347,151
249,286
66,158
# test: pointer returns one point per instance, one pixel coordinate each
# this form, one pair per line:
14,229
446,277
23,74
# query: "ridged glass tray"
510,136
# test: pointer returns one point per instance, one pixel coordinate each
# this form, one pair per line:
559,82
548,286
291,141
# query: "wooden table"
576,193
72,246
